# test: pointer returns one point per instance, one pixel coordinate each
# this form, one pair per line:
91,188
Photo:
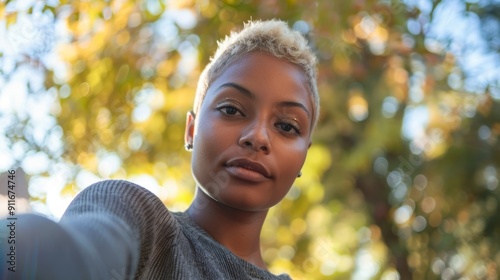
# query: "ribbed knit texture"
123,231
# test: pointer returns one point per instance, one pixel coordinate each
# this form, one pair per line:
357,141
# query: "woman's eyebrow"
248,93
240,89
295,104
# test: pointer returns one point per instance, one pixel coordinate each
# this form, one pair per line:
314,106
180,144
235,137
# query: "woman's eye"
288,128
230,110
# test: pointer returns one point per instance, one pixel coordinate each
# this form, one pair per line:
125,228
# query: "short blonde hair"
273,37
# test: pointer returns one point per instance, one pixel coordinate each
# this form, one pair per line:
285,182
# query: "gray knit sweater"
118,230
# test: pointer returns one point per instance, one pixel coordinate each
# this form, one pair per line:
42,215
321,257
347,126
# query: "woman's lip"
248,165
246,174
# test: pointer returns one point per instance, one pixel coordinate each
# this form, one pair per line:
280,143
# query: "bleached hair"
273,37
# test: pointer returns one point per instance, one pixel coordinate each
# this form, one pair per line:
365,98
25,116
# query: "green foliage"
371,203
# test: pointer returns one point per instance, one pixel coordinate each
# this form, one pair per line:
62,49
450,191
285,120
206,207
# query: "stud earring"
188,147
300,174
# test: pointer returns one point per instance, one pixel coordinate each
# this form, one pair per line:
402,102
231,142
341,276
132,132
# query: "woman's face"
252,132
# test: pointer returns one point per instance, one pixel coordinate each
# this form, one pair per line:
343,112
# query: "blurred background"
402,180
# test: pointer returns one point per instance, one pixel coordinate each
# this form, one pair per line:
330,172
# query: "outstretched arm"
106,233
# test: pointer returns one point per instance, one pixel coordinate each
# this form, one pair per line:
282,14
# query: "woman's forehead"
259,72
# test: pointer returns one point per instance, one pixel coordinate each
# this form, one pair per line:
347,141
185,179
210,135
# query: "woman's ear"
189,132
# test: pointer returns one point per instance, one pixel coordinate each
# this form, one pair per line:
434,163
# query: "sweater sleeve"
107,232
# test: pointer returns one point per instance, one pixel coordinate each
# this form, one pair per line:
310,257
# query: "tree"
379,197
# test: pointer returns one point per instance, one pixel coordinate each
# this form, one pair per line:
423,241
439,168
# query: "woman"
255,109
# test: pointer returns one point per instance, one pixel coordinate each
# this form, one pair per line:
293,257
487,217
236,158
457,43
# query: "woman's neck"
237,230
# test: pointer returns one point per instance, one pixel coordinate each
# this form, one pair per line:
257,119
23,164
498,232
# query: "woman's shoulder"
112,185
120,215
120,190
120,200
119,197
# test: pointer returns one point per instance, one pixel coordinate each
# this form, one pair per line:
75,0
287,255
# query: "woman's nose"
256,137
